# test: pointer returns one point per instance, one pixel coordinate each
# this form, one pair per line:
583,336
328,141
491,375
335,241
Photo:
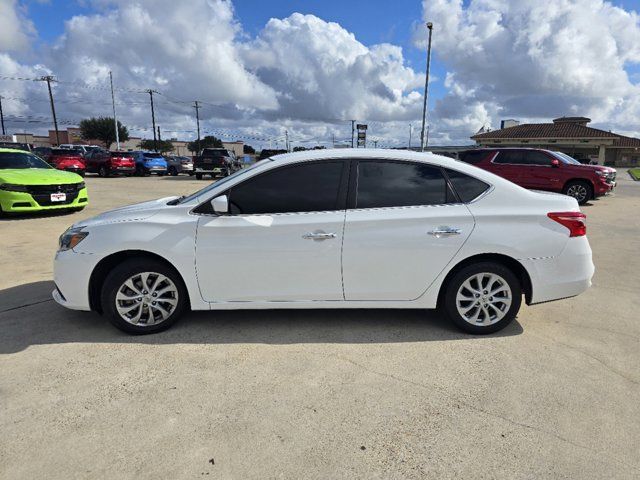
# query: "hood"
130,213
37,176
594,168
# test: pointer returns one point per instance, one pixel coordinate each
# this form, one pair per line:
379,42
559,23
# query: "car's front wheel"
483,297
143,296
581,190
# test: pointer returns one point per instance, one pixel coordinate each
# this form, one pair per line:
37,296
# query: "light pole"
426,89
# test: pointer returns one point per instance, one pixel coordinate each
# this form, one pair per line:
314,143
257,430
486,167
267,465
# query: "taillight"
574,221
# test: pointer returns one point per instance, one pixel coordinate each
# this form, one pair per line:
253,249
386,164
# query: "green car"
29,184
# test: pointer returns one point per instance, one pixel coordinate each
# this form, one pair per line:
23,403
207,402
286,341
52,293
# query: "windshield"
566,158
21,160
224,180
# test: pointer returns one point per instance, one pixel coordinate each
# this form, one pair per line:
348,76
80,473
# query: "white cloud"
534,60
16,31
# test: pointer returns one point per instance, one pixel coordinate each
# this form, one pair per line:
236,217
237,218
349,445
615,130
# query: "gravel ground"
319,394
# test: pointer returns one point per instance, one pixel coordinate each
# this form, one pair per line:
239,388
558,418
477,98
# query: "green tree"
248,149
207,142
103,129
163,146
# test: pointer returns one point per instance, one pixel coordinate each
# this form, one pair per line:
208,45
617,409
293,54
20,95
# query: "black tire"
120,274
198,176
581,190
450,307
103,172
173,171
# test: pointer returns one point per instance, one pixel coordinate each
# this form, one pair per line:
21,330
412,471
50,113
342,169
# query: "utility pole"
159,138
286,139
410,132
333,140
115,119
153,119
375,143
426,89
353,126
197,107
50,79
2,117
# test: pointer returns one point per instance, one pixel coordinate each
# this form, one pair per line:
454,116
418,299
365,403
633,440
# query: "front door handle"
318,235
445,232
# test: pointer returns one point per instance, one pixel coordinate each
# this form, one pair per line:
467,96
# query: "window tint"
473,156
309,187
467,188
537,158
399,184
511,156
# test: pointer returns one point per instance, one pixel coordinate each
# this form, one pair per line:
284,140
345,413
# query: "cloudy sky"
261,68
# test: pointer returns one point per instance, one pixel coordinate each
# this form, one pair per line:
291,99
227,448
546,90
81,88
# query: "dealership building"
570,135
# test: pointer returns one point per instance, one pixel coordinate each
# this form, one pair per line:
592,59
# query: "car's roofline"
12,150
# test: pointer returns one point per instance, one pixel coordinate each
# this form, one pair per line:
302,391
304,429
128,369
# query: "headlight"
602,173
81,185
71,238
13,188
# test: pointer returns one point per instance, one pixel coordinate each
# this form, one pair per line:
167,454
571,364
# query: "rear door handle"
318,235
445,232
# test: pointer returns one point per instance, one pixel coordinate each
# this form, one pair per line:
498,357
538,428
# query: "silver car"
179,164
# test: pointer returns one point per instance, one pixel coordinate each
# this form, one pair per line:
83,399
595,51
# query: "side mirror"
555,163
220,204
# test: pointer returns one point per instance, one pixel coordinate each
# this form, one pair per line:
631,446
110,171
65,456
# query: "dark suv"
217,162
540,169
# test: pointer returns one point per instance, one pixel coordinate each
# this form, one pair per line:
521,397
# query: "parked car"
69,160
106,163
356,228
29,184
42,152
217,162
149,162
84,149
25,147
178,164
545,170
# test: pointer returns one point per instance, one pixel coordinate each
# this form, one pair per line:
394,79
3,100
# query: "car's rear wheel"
580,190
103,172
143,296
173,171
483,297
198,176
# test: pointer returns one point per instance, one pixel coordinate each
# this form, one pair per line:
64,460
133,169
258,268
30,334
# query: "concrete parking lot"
319,394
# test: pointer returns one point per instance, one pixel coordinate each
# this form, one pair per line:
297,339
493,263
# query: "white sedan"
331,229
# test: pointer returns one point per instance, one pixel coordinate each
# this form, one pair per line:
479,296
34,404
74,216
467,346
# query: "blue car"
149,162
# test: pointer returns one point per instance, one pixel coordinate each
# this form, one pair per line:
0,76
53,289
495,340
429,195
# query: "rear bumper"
566,275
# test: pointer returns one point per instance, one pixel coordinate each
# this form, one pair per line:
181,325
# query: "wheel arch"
511,263
108,263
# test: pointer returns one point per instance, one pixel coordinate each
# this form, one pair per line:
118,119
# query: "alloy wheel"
483,299
577,191
146,298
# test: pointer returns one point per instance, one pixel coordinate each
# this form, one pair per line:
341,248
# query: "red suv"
106,163
545,170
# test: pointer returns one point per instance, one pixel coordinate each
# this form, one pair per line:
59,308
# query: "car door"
403,227
541,174
281,240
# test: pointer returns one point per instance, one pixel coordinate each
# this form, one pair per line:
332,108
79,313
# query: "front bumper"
22,202
71,274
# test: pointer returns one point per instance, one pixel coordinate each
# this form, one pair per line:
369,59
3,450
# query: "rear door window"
473,156
400,184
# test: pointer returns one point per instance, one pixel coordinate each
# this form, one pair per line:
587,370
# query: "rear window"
473,156
151,155
468,188
67,152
